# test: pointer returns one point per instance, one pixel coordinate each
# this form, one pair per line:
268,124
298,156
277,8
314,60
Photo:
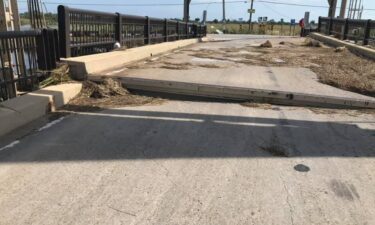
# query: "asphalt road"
188,162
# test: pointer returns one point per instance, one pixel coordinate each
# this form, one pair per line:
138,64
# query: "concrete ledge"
24,109
80,67
364,51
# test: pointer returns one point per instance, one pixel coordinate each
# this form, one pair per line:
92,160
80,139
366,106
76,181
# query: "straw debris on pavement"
108,94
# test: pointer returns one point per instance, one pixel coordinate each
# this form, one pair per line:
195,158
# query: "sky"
235,9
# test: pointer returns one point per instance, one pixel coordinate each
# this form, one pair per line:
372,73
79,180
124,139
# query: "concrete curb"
80,67
244,94
24,109
364,51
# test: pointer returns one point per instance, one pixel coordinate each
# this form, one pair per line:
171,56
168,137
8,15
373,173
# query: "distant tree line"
51,18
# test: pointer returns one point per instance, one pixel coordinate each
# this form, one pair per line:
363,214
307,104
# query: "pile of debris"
312,43
109,93
107,89
57,76
266,44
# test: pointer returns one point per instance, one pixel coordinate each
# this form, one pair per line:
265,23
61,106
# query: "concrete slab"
193,163
330,40
81,66
190,72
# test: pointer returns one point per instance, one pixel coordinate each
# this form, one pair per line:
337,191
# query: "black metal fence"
25,58
84,32
359,31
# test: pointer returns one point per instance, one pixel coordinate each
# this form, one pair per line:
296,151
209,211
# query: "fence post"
367,32
330,26
118,30
41,47
346,29
50,51
64,31
187,30
319,24
147,31
165,30
178,30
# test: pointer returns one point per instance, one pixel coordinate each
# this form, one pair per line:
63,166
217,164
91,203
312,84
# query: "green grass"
236,28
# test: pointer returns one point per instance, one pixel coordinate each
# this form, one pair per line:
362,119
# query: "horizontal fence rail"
360,31
84,32
25,59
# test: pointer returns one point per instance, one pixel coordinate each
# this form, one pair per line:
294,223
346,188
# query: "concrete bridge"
226,158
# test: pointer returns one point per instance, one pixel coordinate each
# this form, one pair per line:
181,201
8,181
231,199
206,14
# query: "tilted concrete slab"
81,66
281,85
223,69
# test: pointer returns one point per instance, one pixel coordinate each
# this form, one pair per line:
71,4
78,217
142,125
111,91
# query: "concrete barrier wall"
361,50
20,111
80,67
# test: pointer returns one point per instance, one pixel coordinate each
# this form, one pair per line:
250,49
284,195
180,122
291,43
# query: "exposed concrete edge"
20,111
80,67
245,94
361,50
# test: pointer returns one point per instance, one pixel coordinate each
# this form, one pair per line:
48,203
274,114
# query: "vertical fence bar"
367,32
64,31
118,28
178,30
346,30
165,30
330,26
41,42
320,24
57,46
147,31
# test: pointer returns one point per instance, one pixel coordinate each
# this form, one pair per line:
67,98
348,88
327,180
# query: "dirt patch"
275,150
258,105
211,66
311,43
175,66
108,94
348,112
341,69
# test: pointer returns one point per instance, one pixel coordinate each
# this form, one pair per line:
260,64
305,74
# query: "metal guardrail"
84,32
359,31
25,59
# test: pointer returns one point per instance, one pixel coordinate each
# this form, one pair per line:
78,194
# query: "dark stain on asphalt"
344,190
302,168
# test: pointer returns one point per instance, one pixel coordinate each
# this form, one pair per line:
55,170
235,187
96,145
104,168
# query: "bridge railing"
359,31
84,32
26,58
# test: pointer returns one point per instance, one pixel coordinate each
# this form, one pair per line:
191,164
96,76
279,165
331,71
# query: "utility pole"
9,16
343,8
332,8
224,19
251,16
186,10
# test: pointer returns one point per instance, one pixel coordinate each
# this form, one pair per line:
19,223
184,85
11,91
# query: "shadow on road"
121,134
